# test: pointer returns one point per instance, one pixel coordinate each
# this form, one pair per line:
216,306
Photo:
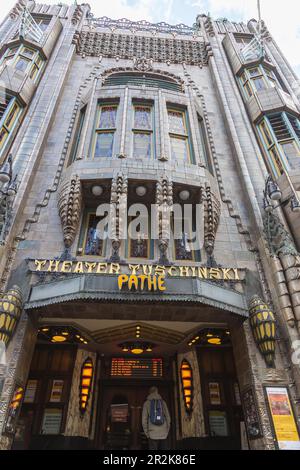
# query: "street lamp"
272,192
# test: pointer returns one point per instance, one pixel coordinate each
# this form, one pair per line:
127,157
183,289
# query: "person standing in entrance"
156,420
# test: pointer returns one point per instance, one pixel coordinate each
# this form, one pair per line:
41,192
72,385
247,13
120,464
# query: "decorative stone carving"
69,206
119,190
10,312
212,210
278,238
133,26
17,9
77,15
124,46
286,260
164,204
143,64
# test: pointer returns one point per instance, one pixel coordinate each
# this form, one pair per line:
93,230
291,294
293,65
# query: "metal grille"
119,80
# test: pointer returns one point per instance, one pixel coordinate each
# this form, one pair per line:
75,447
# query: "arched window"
153,80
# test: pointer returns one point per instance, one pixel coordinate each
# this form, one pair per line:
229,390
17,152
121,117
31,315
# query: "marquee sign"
145,273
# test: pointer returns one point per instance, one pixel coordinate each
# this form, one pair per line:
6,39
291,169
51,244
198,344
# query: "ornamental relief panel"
123,46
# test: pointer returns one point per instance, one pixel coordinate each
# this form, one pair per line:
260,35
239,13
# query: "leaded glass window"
142,145
258,78
179,137
104,144
108,117
105,131
142,131
94,242
10,111
179,148
177,122
25,60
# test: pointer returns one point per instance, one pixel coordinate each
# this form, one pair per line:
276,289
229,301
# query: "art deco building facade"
112,113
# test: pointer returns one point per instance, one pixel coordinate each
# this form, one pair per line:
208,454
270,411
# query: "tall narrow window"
281,134
105,131
10,111
179,137
77,135
142,131
92,242
204,146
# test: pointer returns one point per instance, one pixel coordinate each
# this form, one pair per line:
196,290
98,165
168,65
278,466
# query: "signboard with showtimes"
143,368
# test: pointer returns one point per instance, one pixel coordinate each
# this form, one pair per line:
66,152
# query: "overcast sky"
282,18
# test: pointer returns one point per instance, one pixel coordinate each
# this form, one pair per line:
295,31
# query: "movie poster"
283,418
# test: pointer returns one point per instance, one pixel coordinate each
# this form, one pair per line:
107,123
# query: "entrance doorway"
120,420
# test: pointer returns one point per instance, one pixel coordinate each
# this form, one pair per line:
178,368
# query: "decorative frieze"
69,206
164,204
212,211
286,261
123,46
119,189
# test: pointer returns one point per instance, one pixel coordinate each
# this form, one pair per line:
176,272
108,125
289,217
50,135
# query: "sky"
282,18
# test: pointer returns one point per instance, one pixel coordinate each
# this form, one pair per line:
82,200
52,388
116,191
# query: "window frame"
186,136
9,129
88,213
35,62
247,81
137,130
277,145
150,242
99,130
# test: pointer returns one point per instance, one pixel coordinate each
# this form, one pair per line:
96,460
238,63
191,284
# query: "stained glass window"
104,144
94,243
142,145
9,113
179,148
177,122
179,137
108,117
105,131
142,118
142,132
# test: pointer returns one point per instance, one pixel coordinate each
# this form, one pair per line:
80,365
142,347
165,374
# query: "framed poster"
251,415
283,418
218,424
30,391
56,391
214,393
51,421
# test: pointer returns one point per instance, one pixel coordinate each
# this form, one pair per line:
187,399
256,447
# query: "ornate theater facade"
113,124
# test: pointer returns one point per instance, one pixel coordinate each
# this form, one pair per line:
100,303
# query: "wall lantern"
186,375
10,312
263,325
85,386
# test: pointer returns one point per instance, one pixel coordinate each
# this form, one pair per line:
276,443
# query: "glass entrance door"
121,415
